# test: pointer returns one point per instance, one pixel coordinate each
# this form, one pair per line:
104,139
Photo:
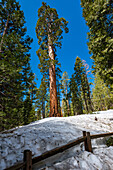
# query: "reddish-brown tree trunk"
52,77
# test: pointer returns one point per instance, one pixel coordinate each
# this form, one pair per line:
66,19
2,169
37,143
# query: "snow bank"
102,159
49,133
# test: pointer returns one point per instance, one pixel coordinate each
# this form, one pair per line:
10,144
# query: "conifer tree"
64,108
99,18
80,76
58,84
83,88
49,30
47,105
76,105
41,96
65,91
29,102
14,64
102,97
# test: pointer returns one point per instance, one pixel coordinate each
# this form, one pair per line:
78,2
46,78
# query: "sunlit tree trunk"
52,77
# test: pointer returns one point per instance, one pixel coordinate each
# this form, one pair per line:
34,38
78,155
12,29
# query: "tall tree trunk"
52,77
89,99
43,109
74,110
68,108
59,107
67,102
4,33
85,99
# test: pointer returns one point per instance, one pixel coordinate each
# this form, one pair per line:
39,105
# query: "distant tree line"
21,101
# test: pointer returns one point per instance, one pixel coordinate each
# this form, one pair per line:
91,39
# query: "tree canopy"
99,18
49,30
16,77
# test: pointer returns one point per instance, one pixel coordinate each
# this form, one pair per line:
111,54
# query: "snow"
49,133
87,161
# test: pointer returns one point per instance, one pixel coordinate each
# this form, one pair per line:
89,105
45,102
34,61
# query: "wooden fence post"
85,140
89,146
28,159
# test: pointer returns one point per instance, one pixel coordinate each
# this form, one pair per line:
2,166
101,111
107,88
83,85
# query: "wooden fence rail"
29,161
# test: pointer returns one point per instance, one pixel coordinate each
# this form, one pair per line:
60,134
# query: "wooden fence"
29,161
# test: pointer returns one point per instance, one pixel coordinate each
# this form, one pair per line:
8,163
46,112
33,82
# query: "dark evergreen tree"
49,30
65,91
47,105
41,96
82,87
99,18
76,101
58,84
30,90
15,79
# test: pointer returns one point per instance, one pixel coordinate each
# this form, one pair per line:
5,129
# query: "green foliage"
99,18
41,97
16,77
109,142
75,97
80,89
102,96
46,16
65,91
58,85
29,111
47,106
48,24
49,31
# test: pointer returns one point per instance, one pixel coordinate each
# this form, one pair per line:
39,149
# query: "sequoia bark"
52,77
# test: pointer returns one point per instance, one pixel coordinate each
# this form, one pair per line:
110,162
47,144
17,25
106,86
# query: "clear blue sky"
73,43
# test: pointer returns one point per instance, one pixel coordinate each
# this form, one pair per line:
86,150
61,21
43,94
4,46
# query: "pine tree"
65,91
47,105
99,18
29,102
41,96
87,78
64,108
81,85
80,77
14,64
49,30
102,97
58,84
76,105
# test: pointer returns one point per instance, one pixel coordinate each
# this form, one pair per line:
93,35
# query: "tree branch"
4,33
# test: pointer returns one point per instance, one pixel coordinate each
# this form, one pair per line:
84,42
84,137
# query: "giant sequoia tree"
49,30
99,18
16,77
